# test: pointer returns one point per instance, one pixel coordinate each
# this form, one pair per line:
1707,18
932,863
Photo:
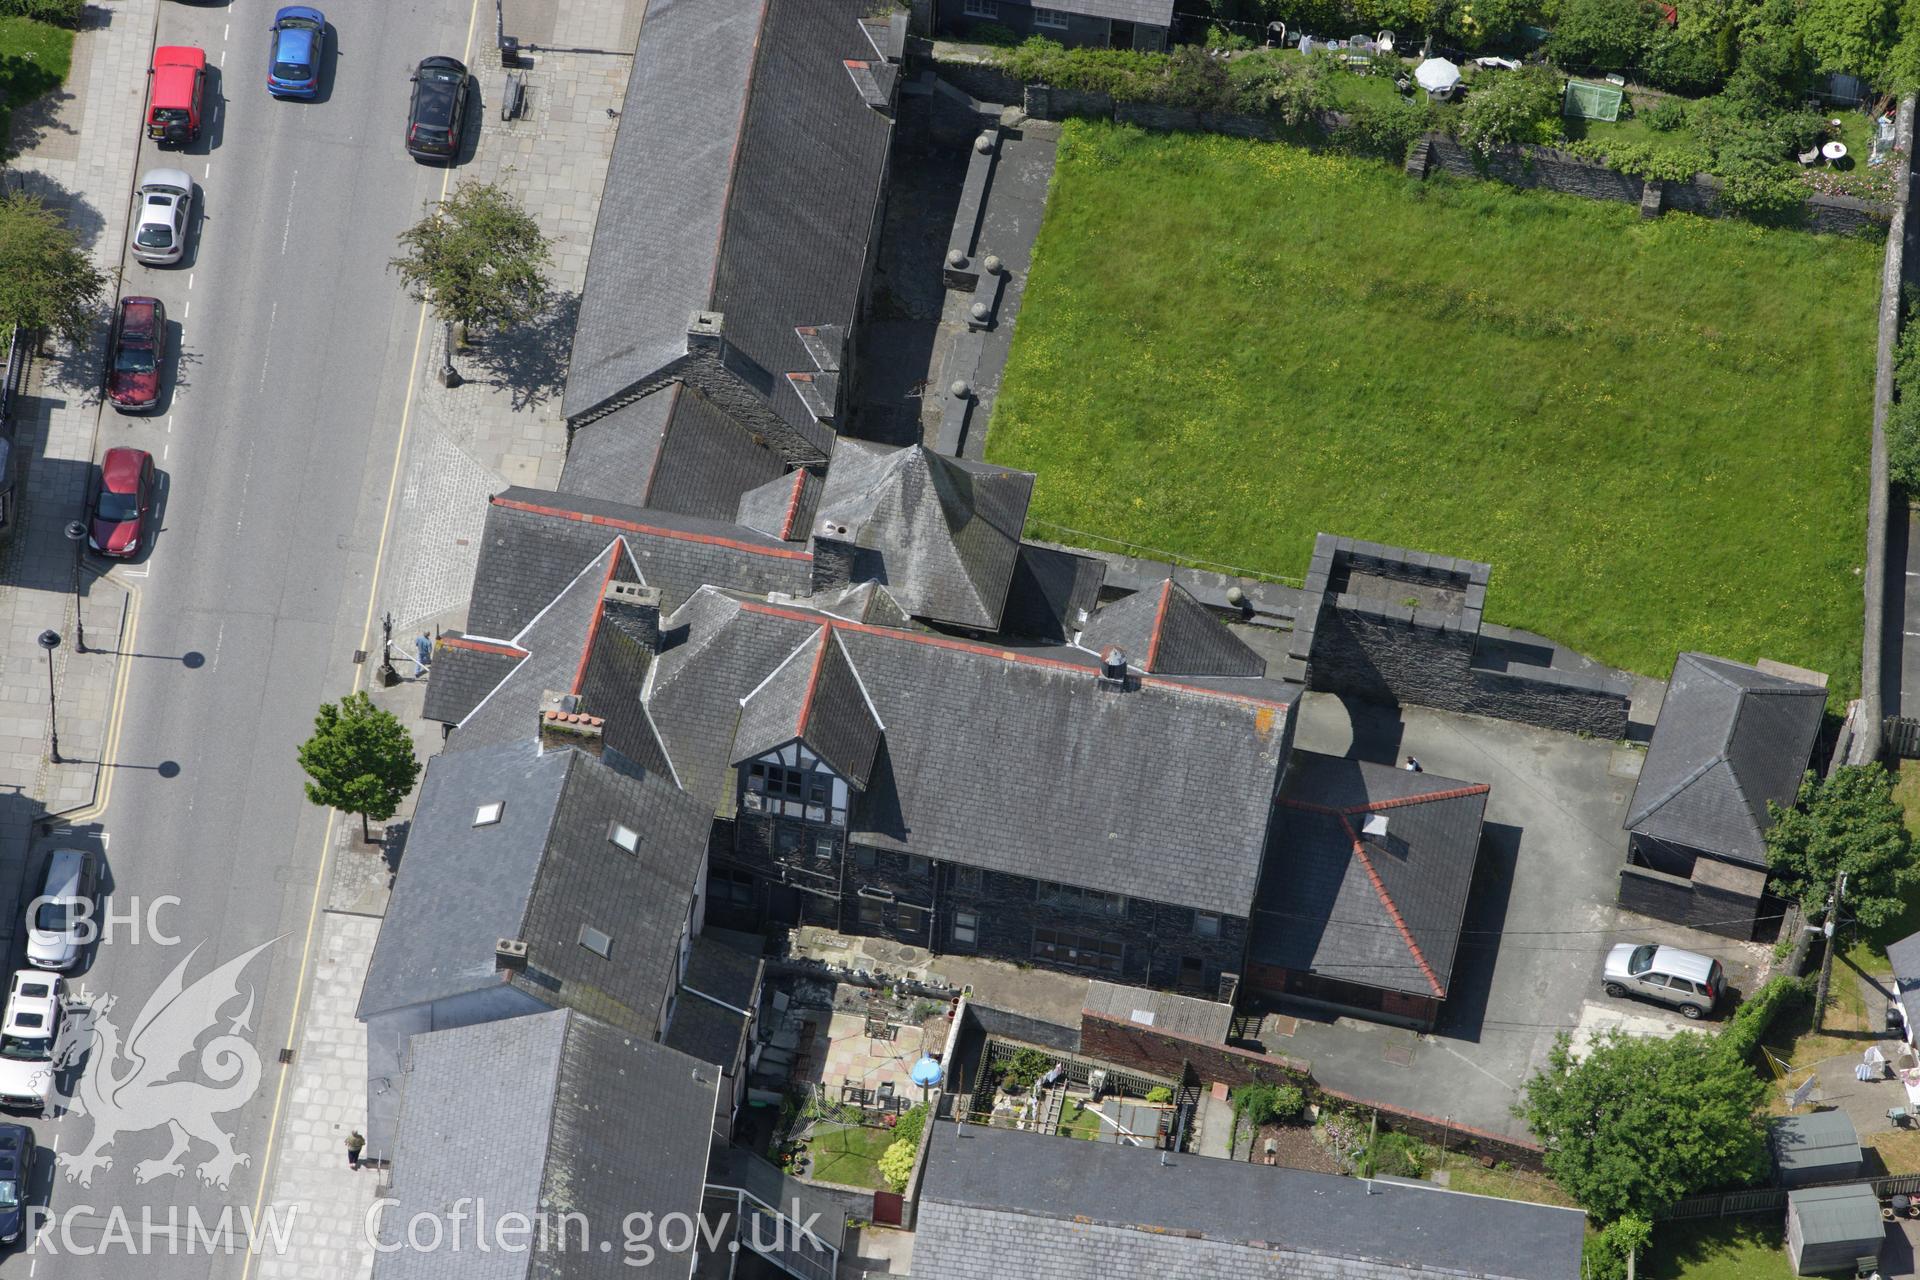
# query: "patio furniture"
1384,42
1438,77
1810,157
886,1093
1899,1116
1834,152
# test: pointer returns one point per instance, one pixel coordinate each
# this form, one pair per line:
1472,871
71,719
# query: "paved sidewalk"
504,426
78,150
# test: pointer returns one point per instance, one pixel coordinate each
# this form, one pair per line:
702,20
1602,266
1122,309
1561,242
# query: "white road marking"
164,451
169,424
286,228
272,315
226,31
223,57
208,171
187,310
189,282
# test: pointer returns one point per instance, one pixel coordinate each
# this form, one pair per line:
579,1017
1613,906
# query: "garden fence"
1900,736
15,376
1772,1199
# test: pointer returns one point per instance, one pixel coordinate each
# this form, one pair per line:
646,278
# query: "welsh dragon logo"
145,1082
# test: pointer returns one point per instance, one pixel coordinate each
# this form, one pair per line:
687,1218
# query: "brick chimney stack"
634,612
564,724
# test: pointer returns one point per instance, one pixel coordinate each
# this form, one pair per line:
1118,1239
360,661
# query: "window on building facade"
872,912
909,918
1066,895
981,8
731,888
1051,18
864,858
793,783
966,879
917,865
1206,924
1063,946
966,929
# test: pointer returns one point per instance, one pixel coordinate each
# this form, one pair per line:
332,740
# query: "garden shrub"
896,1164
1475,22
1187,77
1159,1093
1674,161
1383,131
1218,37
1600,35
992,33
1260,1104
1667,116
65,13
1605,1254
1903,423
1397,1155
911,1124
1519,107
1681,64
1749,1024
1027,1066
1294,90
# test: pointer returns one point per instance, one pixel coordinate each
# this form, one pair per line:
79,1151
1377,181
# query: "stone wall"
1385,650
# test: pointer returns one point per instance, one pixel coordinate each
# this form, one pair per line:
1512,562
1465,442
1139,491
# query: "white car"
28,1034
166,205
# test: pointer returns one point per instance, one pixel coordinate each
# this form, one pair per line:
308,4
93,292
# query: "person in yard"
355,1141
1413,766
422,654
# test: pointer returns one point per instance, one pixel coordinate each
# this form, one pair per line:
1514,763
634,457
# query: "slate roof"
707,463
984,745
1729,739
1383,912
1052,592
781,508
552,1112
1152,13
612,458
536,542
463,672
744,179
1168,631
815,695
1023,1206
542,872
943,533
656,242
719,980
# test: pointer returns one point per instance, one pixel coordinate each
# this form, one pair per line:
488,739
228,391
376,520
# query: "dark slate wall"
1387,654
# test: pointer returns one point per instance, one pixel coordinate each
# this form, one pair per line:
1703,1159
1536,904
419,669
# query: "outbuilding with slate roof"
1367,876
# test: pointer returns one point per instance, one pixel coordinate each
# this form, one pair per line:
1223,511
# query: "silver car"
1689,981
160,224
60,920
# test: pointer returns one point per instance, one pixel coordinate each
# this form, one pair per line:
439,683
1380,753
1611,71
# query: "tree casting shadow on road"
529,361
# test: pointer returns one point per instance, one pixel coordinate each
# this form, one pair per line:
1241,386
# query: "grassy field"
1656,432
1717,1249
34,58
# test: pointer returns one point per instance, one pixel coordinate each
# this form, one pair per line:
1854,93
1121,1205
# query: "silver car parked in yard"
1689,981
160,222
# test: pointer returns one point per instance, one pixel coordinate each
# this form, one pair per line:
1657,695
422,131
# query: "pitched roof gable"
1382,911
781,508
1730,738
1166,630
945,532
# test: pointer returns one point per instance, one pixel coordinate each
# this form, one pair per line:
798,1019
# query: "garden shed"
1819,1147
1833,1229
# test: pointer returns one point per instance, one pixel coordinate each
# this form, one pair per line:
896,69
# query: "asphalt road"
276,444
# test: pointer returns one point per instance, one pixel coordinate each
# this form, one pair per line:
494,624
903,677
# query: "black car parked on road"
438,112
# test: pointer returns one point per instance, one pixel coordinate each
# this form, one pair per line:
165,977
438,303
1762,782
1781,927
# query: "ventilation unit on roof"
1375,827
1113,668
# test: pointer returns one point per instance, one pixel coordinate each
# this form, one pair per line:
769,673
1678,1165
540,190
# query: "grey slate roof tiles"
1166,630
945,532
985,745
1729,739
1052,592
463,672
1379,911
1024,1206
613,458
707,462
549,1113
656,242
543,870
782,507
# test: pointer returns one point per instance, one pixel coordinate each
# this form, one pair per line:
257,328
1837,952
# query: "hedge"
1749,1024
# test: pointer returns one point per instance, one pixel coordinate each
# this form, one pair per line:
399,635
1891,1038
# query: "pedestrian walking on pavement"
354,1143
1413,766
422,654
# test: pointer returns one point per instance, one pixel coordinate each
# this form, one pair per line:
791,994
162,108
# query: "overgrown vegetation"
34,58
1019,1072
1748,1027
1677,400
66,13
1846,822
1903,421
1259,1104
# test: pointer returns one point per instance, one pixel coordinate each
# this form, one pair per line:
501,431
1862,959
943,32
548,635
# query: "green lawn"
1077,1121
34,57
1656,432
849,1154
1746,1248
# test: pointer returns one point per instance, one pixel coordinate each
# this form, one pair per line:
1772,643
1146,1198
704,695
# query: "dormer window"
489,813
794,783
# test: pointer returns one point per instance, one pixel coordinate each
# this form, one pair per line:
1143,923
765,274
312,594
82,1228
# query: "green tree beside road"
360,760
46,282
1847,822
477,258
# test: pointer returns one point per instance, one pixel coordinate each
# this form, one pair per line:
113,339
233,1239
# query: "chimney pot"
1113,667
509,955
563,724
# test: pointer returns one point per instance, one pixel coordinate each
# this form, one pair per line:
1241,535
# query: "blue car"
296,44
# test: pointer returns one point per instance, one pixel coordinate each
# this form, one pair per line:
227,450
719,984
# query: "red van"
179,93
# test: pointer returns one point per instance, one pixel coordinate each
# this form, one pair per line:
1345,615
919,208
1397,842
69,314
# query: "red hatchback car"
122,497
134,357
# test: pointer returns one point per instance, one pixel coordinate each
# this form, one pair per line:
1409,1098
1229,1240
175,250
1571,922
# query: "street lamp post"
77,534
50,640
